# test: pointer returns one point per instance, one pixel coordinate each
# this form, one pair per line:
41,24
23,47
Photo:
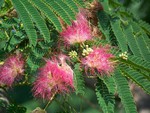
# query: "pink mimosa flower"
55,77
11,69
99,59
79,31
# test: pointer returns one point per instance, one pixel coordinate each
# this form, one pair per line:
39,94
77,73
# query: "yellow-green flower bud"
124,55
73,54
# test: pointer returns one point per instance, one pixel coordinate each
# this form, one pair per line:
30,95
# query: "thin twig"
50,101
7,12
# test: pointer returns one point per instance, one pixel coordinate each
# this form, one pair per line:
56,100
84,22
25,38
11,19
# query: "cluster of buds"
124,55
87,50
73,54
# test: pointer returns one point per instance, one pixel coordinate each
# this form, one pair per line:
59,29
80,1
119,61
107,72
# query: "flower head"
55,77
79,31
99,59
11,69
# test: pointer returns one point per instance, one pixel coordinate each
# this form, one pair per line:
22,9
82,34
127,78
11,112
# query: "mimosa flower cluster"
56,76
79,31
98,58
12,69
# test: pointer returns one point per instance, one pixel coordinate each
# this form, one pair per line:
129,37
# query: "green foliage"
126,32
59,10
124,92
141,64
110,83
132,41
104,24
35,56
43,7
65,8
4,102
120,36
1,3
51,9
5,7
27,22
72,5
137,70
139,78
78,79
40,23
105,97
15,109
13,37
144,26
141,41
122,30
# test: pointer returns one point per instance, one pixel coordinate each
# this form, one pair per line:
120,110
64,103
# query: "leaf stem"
50,100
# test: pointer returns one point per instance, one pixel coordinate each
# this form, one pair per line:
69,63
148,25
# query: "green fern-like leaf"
34,62
8,23
15,40
116,27
79,2
138,65
124,92
59,10
27,22
44,45
99,42
110,83
140,62
78,79
66,8
72,5
138,78
145,26
37,19
38,52
146,37
104,24
44,8
104,20
3,40
32,65
143,48
131,41
104,97
105,4
141,41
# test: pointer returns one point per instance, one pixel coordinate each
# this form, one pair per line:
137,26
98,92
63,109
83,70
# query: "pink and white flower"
79,31
55,77
99,59
12,68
